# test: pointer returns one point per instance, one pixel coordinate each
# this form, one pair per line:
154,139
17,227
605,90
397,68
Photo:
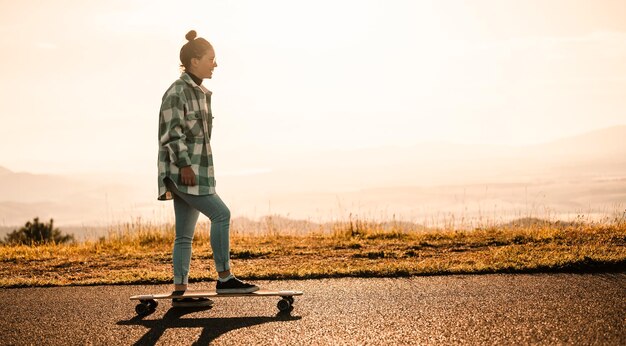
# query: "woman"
186,169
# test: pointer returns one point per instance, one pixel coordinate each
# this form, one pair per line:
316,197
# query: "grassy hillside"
141,253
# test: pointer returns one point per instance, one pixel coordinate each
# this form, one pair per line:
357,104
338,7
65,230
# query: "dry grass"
141,253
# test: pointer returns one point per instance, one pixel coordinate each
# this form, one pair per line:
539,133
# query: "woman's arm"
172,136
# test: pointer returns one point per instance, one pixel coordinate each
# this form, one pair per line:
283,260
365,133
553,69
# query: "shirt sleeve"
171,135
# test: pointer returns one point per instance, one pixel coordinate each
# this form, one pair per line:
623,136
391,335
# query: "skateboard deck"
148,302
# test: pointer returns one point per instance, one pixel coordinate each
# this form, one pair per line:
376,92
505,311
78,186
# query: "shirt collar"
195,78
187,78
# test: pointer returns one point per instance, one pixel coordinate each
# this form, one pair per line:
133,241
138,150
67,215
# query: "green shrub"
35,233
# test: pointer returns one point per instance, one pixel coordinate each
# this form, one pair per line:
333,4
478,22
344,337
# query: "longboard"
148,302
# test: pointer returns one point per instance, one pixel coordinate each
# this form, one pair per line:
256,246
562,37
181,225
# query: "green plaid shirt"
185,124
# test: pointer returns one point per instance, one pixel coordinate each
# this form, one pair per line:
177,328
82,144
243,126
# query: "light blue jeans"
187,209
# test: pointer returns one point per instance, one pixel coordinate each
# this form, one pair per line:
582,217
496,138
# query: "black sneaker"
235,285
191,302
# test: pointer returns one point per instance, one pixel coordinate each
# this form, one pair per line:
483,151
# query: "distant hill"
26,187
69,200
569,174
4,171
436,163
609,143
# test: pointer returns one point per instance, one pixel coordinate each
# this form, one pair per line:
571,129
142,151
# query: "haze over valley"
432,183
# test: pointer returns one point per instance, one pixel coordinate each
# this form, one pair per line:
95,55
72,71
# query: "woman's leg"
214,208
219,214
186,219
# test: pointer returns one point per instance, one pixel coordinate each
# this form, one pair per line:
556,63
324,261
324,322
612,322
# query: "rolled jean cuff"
181,280
222,267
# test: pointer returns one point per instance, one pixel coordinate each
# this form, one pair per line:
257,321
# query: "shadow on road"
212,328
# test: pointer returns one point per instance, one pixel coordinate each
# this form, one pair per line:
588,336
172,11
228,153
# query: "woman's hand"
187,176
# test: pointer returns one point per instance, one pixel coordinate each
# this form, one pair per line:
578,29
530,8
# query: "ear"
195,62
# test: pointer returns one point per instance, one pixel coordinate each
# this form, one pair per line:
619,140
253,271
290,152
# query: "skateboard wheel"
283,305
290,299
152,304
142,309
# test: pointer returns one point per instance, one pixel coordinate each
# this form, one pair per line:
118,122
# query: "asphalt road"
585,309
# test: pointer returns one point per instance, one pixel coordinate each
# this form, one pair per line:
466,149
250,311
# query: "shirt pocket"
193,122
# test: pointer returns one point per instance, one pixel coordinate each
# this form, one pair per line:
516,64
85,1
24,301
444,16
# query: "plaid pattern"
185,124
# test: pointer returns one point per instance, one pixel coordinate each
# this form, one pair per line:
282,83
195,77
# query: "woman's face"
203,67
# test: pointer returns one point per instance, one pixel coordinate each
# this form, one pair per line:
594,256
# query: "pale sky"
81,81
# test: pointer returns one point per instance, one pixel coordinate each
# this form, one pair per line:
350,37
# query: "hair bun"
191,35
